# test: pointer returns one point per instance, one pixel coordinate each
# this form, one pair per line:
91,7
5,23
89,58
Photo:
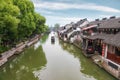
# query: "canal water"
52,61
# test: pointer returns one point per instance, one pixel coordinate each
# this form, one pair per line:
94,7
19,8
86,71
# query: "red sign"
103,49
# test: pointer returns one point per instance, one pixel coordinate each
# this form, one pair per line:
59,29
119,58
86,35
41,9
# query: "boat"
52,39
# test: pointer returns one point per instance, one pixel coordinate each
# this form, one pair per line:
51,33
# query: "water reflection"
86,65
52,42
61,65
45,61
44,38
24,65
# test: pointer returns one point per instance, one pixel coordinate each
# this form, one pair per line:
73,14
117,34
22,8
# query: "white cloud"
61,20
63,6
44,11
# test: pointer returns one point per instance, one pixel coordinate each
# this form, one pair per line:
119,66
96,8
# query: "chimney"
104,18
85,19
96,19
112,17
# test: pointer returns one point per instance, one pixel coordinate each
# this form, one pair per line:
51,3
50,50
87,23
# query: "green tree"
19,21
56,27
26,26
25,6
40,23
8,22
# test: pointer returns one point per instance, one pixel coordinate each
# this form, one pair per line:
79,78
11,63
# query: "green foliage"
8,21
26,26
56,27
10,27
40,23
19,21
25,6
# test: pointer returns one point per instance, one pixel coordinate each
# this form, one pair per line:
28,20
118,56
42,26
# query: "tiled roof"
81,21
94,23
75,25
102,36
111,23
108,38
105,23
115,40
105,36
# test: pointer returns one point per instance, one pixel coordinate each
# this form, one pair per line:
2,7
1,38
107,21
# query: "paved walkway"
97,59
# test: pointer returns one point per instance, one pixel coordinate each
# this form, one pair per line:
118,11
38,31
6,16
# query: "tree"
40,23
56,27
8,22
18,21
26,26
25,6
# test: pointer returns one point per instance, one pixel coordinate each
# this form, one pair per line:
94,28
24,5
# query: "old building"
107,45
111,47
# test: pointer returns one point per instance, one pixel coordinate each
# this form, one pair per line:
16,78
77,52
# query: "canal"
52,61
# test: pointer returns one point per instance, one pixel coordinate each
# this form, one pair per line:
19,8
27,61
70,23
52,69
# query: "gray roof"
111,23
102,36
75,25
115,40
94,23
81,21
105,23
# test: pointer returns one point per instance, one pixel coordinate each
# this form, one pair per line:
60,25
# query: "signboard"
103,49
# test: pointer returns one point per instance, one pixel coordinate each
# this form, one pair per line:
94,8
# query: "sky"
67,11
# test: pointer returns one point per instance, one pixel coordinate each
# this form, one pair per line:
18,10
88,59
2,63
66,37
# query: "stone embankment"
17,50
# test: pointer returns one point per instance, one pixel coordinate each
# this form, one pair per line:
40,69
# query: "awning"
89,27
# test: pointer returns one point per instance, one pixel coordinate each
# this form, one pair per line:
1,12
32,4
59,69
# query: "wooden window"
113,65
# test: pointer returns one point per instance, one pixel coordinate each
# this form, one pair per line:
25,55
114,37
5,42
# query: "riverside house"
107,44
101,32
88,34
70,31
101,42
63,33
111,46
74,34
